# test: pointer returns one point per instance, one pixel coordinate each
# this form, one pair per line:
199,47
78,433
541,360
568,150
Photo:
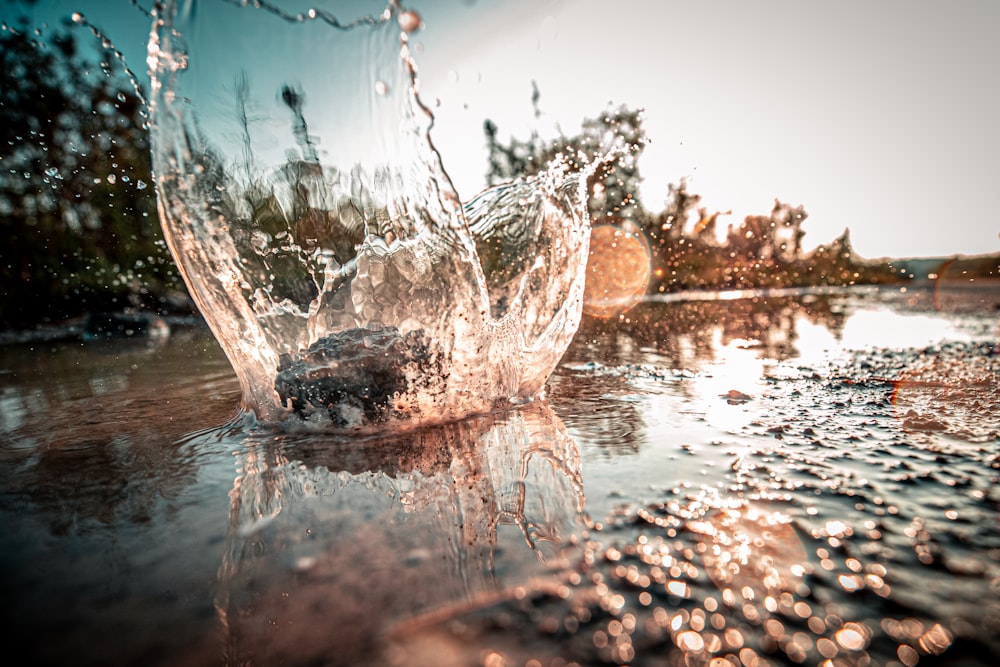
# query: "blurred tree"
672,222
77,214
776,237
762,251
615,137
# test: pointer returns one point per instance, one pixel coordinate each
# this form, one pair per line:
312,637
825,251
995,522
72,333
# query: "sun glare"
618,269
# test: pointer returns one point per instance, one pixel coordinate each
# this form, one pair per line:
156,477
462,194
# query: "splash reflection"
331,542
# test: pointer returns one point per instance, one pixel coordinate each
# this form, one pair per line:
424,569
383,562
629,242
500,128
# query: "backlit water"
302,198
790,479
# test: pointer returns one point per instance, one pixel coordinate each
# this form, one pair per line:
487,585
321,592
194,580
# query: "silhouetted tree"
672,222
616,137
761,251
776,237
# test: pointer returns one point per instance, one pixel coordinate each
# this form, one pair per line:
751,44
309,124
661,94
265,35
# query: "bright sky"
878,116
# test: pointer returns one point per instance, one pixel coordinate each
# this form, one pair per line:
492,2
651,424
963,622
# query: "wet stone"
354,375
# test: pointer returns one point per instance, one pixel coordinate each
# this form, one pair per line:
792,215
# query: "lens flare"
618,269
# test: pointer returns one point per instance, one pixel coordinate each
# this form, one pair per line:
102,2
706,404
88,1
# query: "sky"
877,116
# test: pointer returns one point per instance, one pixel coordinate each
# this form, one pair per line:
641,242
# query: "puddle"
703,484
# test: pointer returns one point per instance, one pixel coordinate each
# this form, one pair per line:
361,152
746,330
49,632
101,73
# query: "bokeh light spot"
618,269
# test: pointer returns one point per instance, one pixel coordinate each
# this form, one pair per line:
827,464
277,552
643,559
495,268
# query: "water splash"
321,237
80,19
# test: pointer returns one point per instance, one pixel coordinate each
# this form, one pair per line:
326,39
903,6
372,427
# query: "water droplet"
381,88
78,17
409,21
850,638
690,641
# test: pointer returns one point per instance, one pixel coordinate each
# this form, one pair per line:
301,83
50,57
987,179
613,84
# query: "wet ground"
742,480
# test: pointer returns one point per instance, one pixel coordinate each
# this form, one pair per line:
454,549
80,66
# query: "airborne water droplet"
409,21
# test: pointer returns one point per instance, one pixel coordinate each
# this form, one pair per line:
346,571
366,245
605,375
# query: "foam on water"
319,234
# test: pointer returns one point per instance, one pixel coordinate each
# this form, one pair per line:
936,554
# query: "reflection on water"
102,418
800,490
682,338
110,538
766,483
361,535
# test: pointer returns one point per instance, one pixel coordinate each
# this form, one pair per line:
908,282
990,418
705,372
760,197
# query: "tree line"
686,251
80,232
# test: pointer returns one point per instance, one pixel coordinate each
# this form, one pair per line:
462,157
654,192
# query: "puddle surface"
762,481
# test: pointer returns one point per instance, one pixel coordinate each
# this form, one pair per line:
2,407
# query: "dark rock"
354,375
